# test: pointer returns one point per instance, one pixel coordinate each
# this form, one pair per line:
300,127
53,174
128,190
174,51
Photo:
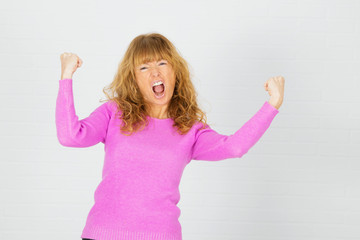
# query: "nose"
155,71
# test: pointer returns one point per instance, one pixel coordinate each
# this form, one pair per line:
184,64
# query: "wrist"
65,75
275,102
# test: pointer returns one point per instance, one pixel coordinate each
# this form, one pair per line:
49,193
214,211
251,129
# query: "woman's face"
152,72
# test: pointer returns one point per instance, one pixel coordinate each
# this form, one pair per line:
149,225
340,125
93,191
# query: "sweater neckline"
160,119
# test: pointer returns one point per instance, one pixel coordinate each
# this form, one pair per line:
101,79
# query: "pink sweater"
138,194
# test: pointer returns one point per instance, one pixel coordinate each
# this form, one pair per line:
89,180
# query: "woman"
152,128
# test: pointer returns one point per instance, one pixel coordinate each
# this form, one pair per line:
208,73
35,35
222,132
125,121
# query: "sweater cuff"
65,84
269,109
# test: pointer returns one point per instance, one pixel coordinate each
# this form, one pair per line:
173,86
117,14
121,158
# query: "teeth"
157,83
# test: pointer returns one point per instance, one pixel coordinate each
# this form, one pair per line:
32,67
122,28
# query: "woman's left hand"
275,87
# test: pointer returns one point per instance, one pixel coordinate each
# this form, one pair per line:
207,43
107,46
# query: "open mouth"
159,90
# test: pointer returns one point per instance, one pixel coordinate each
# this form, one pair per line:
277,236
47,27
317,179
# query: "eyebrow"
153,61
147,63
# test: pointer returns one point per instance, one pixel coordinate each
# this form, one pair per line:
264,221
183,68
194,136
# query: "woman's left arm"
212,146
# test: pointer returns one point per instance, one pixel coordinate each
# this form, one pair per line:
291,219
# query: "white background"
300,181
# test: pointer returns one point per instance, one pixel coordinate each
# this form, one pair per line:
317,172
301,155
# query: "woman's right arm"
72,132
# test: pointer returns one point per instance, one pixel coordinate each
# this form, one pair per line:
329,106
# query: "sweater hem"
104,233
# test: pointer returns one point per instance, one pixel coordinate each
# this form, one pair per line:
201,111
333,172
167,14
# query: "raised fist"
275,87
69,63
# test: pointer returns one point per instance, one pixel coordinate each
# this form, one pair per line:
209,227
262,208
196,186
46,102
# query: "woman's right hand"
69,63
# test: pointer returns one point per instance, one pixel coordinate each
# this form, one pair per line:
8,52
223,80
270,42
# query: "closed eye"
159,64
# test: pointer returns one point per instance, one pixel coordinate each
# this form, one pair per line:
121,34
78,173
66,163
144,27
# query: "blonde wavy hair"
124,91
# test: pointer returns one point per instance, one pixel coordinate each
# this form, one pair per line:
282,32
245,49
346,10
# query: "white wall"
300,181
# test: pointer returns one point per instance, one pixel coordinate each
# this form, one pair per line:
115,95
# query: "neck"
158,112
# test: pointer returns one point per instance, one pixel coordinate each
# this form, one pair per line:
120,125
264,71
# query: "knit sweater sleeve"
72,132
212,146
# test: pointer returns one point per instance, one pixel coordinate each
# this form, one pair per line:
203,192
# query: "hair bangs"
151,50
